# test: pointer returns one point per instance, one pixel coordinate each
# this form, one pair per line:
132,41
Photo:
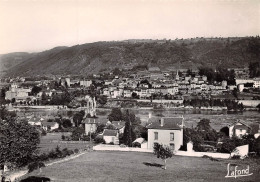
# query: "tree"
100,128
129,134
66,123
35,90
78,117
102,100
163,152
115,115
5,114
44,98
77,133
18,142
190,134
204,129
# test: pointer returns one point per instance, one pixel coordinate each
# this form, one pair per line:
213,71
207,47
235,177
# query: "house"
49,126
35,121
119,125
90,125
167,131
17,93
141,142
111,136
239,129
256,82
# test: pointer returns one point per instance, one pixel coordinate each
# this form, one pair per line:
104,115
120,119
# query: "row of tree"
230,104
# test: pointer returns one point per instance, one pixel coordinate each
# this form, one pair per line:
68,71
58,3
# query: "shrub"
43,157
76,151
137,145
63,137
44,133
58,152
36,179
65,152
99,140
52,154
35,165
111,143
236,157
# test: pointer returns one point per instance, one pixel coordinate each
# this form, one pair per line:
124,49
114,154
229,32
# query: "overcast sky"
37,25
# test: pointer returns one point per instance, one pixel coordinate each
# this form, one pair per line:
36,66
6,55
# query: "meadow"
133,166
52,140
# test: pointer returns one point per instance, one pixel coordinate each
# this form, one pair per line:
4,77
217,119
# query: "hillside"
105,56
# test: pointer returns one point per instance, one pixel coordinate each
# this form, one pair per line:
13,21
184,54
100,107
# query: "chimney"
162,121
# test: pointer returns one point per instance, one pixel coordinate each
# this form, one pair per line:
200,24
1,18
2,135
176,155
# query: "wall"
164,137
161,101
88,128
251,103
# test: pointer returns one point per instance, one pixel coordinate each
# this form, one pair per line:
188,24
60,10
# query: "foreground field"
131,166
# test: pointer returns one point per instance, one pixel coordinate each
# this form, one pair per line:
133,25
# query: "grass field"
52,140
131,166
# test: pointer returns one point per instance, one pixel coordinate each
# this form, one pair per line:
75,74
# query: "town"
123,91
71,109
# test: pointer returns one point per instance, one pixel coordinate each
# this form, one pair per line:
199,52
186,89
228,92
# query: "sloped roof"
46,123
139,140
35,119
241,122
169,123
108,132
118,124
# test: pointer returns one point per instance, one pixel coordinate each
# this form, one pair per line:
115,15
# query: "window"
171,136
155,135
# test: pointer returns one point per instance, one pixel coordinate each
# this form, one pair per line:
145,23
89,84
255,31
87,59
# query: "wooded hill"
98,57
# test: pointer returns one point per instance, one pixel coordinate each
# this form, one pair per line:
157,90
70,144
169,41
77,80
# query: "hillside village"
150,88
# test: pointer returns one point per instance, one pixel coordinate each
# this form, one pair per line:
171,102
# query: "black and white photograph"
129,90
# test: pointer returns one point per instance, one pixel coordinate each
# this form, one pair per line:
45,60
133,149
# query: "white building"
238,129
256,82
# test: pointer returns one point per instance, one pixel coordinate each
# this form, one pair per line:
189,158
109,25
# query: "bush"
52,154
236,157
36,179
65,152
44,133
76,151
111,143
63,137
137,145
58,152
99,140
35,165
43,157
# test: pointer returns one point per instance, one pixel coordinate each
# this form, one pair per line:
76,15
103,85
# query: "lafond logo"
235,171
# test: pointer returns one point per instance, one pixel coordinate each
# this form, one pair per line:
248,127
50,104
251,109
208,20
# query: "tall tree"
18,142
36,90
115,115
129,134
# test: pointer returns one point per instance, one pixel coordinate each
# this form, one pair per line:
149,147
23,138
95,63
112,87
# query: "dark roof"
169,123
108,132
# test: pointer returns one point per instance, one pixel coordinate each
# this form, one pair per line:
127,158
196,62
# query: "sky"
38,25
